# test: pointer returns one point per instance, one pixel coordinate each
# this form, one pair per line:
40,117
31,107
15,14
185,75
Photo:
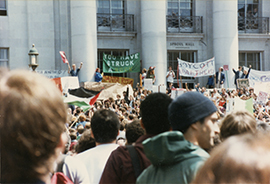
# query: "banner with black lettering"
200,69
121,64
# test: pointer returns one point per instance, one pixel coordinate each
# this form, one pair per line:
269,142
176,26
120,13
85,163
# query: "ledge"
253,36
193,36
116,34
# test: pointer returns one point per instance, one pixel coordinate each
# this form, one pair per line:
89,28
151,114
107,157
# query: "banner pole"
178,75
181,81
227,80
140,80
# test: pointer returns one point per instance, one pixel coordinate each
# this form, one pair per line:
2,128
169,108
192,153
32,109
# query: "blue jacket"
210,81
173,158
222,77
98,77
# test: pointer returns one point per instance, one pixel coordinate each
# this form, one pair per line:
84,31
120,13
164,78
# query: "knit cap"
188,109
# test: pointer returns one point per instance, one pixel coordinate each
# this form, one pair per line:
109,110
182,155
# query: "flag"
63,56
82,97
94,99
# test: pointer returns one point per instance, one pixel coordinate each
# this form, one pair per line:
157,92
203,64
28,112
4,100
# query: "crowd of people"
141,137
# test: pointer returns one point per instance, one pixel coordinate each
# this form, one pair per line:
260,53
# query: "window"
248,17
180,7
189,56
250,58
110,6
4,58
114,53
248,8
180,18
3,7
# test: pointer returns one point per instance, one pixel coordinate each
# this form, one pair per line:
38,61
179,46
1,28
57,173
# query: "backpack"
59,177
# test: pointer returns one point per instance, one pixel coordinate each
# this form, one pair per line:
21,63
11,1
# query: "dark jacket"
173,158
221,79
237,76
119,168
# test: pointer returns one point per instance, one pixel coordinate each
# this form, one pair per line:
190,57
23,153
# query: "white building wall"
50,25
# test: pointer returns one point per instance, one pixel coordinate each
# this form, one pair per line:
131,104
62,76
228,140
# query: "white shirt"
171,76
95,160
74,169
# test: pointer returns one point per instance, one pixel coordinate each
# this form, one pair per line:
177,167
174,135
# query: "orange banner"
121,80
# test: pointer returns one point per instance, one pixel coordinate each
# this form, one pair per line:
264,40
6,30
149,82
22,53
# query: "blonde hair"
237,122
240,159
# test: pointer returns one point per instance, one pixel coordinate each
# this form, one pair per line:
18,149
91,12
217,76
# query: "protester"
73,71
98,76
237,122
246,73
210,82
105,127
32,124
240,159
134,130
151,74
86,142
154,113
238,74
170,76
143,75
220,78
176,156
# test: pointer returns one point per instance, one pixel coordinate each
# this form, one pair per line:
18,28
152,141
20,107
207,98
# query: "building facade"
235,32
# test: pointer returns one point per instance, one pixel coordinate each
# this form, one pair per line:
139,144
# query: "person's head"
80,129
133,131
32,119
74,67
78,110
221,69
87,125
170,68
105,126
195,115
82,118
144,70
85,142
239,159
98,70
237,122
240,68
154,113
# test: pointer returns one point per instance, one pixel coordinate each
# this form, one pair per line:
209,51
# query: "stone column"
225,36
153,32
84,37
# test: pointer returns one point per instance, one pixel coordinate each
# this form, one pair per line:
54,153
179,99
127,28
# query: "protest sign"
261,86
177,92
66,83
262,97
53,73
229,105
240,104
121,64
201,69
148,83
258,76
225,67
121,80
242,83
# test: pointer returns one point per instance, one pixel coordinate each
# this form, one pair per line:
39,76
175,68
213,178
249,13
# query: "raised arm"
81,65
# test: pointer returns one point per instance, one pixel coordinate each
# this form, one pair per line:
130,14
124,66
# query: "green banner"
121,64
